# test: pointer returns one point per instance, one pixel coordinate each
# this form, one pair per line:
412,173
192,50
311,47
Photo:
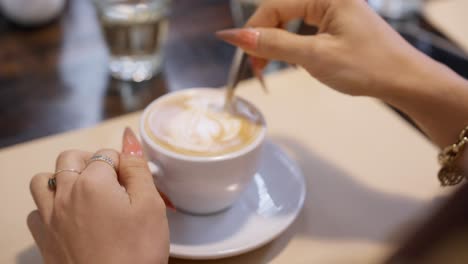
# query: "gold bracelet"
449,174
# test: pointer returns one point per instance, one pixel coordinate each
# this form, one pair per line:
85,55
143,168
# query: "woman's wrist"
434,97
413,77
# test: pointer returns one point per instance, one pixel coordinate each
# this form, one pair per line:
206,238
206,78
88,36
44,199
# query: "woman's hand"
357,53
100,215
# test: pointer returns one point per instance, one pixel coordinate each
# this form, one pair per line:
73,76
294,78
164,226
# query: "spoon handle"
237,70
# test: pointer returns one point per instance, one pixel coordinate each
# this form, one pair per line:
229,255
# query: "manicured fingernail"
166,200
130,143
258,65
245,38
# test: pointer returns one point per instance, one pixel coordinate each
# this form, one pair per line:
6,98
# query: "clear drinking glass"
135,31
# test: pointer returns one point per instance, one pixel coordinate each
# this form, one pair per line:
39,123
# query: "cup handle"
157,172
155,169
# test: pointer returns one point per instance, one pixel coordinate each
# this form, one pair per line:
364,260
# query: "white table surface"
370,176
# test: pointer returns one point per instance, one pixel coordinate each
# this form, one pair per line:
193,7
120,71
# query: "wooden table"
54,78
371,177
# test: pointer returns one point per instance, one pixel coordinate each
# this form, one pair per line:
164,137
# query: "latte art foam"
195,123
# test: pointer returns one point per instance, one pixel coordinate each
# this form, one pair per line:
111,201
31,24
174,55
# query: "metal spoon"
238,67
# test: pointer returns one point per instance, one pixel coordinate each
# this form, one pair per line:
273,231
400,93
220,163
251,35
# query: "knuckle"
134,164
264,8
265,39
135,161
67,153
270,4
323,46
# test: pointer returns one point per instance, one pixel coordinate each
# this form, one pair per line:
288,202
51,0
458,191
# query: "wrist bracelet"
450,174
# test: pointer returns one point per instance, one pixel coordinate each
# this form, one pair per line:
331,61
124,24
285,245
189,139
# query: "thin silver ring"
52,182
67,170
102,158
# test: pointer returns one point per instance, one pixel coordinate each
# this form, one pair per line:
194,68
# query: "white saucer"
270,204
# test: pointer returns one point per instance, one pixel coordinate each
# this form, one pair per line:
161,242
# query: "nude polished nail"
130,144
245,38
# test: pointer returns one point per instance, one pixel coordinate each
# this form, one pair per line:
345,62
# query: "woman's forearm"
436,98
357,53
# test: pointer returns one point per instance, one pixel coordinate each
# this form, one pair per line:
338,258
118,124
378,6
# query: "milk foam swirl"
196,123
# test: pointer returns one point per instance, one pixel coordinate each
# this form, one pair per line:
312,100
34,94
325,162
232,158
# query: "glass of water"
135,31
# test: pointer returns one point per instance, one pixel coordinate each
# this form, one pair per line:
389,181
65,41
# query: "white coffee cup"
198,184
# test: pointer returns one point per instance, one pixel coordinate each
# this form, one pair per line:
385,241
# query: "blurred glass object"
32,12
135,31
396,9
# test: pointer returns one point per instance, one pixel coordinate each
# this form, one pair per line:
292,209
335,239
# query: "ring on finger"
67,170
52,182
102,158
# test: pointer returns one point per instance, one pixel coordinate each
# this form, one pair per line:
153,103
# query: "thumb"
271,43
134,173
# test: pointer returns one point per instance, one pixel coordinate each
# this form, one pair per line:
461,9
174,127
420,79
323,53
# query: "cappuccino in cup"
205,156
194,123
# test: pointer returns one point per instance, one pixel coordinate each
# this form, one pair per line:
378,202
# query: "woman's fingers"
68,166
134,173
274,13
37,228
272,43
43,196
264,37
50,249
104,167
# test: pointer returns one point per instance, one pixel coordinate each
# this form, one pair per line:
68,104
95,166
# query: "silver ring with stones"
102,158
